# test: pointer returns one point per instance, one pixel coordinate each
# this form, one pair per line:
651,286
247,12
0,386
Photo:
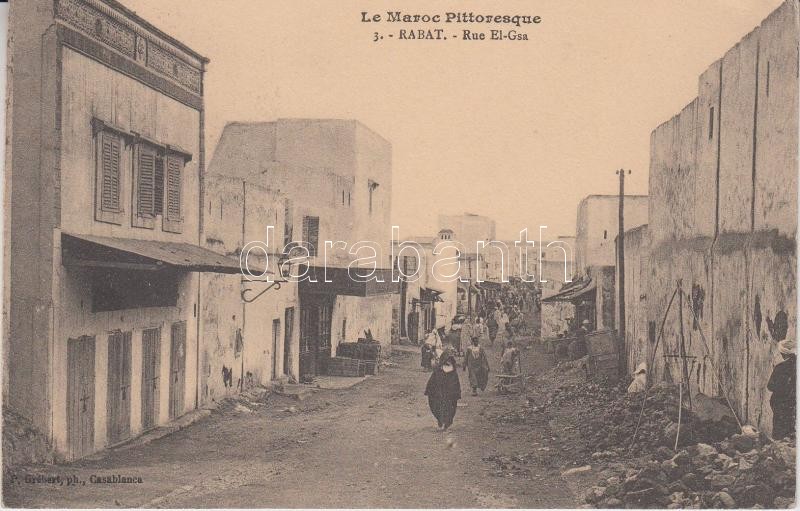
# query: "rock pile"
741,471
610,428
23,444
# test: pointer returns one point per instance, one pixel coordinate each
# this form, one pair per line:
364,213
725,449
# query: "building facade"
723,223
557,271
596,231
249,328
590,296
597,226
106,190
466,230
428,293
336,178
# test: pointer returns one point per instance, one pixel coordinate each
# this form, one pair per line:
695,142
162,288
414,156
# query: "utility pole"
469,288
623,354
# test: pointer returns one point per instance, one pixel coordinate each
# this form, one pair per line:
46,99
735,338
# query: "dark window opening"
311,234
605,235
410,263
287,224
768,78
370,200
371,186
132,289
711,123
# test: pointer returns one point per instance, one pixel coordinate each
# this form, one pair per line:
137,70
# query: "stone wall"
722,222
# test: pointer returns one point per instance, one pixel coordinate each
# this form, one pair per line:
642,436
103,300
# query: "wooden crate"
370,367
342,366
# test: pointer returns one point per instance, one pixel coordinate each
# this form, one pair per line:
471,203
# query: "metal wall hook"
274,285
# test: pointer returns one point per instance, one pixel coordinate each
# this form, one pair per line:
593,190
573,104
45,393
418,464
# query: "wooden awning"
429,295
131,254
341,282
571,293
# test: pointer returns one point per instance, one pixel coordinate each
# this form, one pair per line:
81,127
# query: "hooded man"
782,385
444,391
639,383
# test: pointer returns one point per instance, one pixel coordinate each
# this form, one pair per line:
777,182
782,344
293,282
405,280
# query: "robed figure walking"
477,363
444,391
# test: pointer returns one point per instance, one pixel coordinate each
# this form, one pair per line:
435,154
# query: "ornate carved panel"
102,23
168,64
95,23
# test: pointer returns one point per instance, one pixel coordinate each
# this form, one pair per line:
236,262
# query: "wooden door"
151,371
80,396
323,353
413,326
118,417
309,318
403,298
276,343
177,369
288,333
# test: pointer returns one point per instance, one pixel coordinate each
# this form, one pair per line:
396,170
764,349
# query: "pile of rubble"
744,470
611,427
23,444
585,393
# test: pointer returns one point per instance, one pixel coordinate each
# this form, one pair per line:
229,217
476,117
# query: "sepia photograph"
462,254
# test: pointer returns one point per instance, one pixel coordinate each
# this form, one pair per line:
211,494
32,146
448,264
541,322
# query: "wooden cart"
510,383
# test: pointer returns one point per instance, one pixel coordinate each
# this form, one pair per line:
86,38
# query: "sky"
519,131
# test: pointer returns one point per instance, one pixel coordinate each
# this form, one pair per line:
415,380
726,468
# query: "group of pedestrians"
444,387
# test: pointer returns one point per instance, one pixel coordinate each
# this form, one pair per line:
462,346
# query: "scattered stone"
595,494
725,500
577,470
705,450
743,443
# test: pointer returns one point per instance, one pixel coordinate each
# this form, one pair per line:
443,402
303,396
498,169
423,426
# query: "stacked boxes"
343,366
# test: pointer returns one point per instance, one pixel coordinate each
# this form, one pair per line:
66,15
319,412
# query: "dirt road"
373,445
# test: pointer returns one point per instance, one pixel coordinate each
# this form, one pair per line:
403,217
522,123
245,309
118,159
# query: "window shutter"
287,222
110,154
146,185
173,193
311,233
158,187
173,209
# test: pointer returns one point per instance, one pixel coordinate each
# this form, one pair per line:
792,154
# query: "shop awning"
583,289
131,254
465,286
489,284
338,281
430,295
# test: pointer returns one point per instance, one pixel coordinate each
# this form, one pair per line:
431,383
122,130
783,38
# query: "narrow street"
374,445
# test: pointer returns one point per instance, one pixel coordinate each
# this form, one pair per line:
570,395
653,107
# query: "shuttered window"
109,177
173,194
148,200
158,192
311,234
146,185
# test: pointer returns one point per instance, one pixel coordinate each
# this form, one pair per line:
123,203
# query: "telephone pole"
623,354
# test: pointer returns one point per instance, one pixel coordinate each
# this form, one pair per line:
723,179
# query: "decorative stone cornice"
123,31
